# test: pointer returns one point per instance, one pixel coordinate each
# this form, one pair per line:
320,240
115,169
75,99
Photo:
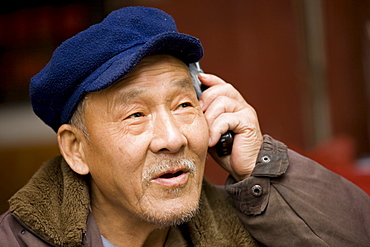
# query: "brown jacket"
301,204
288,201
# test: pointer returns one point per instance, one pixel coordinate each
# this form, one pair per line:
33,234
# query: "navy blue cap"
101,55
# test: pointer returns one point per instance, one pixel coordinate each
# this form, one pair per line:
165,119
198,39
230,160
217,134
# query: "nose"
167,135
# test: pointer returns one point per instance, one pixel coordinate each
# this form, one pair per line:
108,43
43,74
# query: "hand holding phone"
225,144
227,109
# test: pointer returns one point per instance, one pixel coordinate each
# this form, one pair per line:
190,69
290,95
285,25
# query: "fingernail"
203,75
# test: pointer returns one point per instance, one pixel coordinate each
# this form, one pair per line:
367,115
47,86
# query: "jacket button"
256,190
266,159
23,232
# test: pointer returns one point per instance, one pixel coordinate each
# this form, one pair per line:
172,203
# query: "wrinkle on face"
120,158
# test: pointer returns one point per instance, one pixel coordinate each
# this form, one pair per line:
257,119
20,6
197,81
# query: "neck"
122,230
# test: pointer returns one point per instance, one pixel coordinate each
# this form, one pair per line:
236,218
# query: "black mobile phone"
225,144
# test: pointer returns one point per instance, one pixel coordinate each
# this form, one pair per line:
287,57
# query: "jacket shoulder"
14,233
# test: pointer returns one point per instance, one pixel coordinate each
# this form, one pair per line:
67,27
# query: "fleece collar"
54,203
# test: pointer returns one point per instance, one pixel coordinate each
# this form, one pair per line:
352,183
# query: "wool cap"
102,55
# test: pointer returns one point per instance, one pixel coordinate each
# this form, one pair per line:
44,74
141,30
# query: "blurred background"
302,64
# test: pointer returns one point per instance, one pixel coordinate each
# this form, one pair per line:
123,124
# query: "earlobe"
71,141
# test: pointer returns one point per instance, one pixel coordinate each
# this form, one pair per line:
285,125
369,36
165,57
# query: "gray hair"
77,119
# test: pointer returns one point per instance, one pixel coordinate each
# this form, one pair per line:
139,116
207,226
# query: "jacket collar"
54,203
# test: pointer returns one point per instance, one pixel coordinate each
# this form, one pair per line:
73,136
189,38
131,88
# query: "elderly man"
134,138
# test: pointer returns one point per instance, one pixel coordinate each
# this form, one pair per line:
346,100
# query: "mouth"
172,178
171,174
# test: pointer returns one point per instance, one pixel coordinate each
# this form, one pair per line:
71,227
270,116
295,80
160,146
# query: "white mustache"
166,165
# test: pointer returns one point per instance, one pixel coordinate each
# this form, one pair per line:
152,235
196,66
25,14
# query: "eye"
184,105
136,115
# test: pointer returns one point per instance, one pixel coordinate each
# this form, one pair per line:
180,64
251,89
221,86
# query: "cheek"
112,155
116,140
201,129
198,135
114,169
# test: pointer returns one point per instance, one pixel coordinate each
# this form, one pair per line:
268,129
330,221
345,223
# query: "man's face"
147,144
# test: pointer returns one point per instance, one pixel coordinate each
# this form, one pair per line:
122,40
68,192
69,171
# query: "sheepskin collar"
55,205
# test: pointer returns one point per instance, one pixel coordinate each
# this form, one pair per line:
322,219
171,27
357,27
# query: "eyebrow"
125,98
184,83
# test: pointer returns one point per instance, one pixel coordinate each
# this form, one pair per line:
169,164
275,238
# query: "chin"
164,216
172,218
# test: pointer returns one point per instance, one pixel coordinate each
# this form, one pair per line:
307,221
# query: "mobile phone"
225,144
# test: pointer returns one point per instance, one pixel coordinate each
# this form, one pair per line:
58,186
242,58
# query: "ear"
71,143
